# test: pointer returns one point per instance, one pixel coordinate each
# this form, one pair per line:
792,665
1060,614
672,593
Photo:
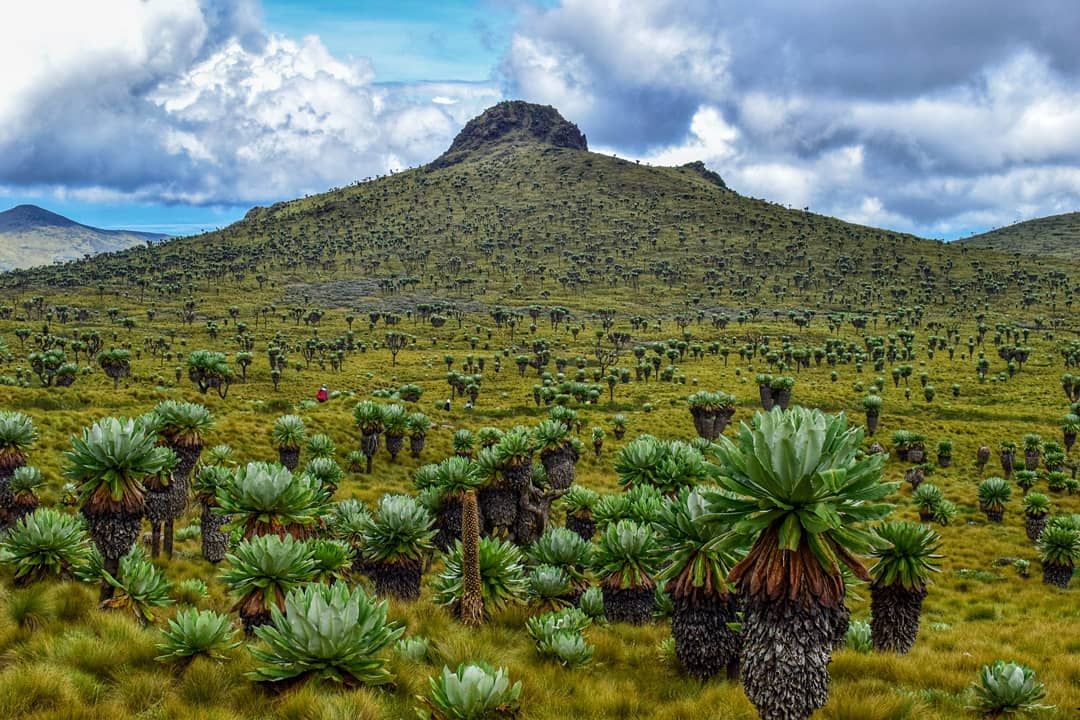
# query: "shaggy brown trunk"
168,533
472,599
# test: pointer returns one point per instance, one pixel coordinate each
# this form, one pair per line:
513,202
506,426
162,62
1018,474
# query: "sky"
941,119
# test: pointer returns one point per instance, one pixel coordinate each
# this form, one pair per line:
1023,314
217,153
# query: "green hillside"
1057,236
518,219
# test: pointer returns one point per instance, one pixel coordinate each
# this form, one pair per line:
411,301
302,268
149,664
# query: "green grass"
591,220
59,647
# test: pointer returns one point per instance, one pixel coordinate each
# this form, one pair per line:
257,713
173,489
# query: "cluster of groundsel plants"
328,633
797,488
560,635
475,691
667,466
109,461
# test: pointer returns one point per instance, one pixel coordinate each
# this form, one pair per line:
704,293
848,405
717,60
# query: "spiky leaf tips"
994,492
45,543
559,635
906,554
565,549
264,498
798,490
17,434
667,466
474,692
326,473
333,560
320,446
286,437
796,487
109,462
182,423
329,633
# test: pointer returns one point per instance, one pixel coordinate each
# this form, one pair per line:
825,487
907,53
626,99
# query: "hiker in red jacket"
323,395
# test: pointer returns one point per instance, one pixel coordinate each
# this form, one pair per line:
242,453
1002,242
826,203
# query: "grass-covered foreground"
64,657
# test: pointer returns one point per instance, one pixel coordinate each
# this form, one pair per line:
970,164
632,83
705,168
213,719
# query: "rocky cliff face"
512,122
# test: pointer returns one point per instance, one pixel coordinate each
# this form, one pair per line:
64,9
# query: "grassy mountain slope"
524,222
1055,236
32,236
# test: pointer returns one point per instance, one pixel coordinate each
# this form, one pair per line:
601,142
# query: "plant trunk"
785,658
1034,525
585,527
1007,464
416,445
394,443
289,457
369,445
214,541
559,465
894,619
1058,575
167,538
449,523
631,605
498,507
704,643
400,580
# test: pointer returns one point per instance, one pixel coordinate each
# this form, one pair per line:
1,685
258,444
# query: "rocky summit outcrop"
509,123
699,168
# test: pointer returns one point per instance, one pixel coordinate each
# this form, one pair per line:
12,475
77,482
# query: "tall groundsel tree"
906,555
700,554
800,492
109,461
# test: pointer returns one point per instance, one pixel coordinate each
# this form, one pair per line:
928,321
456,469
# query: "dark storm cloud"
926,115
